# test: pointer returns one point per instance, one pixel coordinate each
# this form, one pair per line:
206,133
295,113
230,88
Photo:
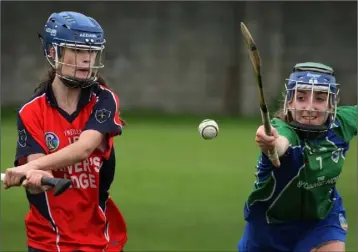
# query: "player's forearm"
78,151
33,157
281,146
67,156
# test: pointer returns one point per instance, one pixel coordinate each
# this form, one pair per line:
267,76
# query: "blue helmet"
78,32
313,77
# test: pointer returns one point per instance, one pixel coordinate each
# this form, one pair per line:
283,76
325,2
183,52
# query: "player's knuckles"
12,172
32,179
258,135
272,141
36,180
261,136
10,178
274,133
268,143
33,184
260,143
263,143
32,176
8,175
267,139
12,181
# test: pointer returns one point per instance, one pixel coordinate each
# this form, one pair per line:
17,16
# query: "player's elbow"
89,140
84,150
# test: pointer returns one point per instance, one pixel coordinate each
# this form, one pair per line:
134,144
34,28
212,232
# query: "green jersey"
303,188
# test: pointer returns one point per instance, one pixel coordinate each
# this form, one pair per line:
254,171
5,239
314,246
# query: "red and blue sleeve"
29,140
105,114
105,117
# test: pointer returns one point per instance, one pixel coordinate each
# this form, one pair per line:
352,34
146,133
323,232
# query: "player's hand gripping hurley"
256,62
60,185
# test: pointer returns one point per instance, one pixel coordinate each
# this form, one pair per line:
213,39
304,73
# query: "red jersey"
84,217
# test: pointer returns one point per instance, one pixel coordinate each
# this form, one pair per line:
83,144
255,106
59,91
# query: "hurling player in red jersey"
66,130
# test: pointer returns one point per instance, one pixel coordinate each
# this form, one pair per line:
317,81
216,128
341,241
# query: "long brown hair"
281,115
280,112
51,74
45,82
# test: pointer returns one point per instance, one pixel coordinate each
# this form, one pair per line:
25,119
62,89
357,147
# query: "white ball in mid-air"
208,129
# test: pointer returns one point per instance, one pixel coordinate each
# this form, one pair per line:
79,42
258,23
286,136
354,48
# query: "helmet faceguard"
75,32
311,77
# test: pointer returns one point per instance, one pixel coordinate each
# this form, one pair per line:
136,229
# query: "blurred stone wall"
189,56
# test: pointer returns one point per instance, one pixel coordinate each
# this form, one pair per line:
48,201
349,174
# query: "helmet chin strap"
309,132
75,83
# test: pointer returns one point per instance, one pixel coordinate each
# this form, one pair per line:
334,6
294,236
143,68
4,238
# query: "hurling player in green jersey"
297,207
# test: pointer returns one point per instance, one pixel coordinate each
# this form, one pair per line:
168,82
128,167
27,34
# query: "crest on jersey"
102,115
22,137
52,141
343,222
336,155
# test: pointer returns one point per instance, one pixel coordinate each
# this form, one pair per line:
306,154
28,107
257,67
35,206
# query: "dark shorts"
295,238
33,250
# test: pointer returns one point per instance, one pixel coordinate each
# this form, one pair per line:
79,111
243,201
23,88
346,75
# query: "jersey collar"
336,124
85,96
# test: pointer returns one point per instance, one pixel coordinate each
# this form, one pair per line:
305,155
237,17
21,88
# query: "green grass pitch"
177,191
